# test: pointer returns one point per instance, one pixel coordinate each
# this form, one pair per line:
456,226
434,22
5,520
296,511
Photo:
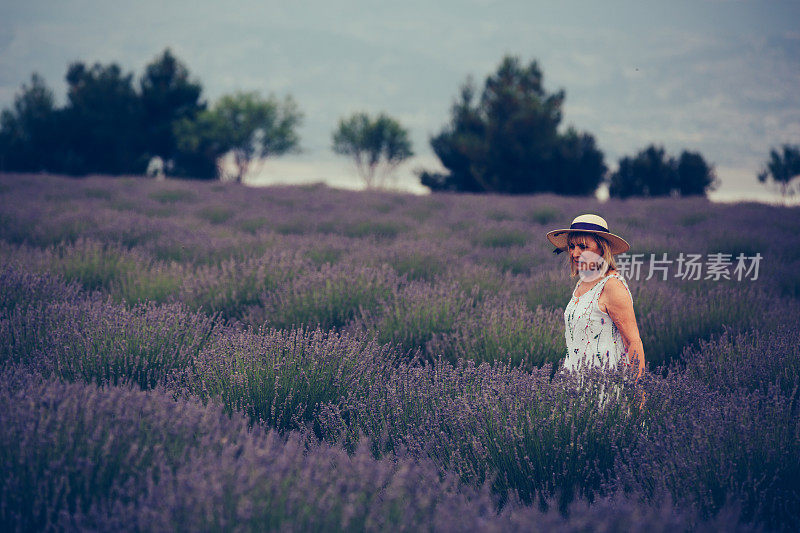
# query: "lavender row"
718,431
447,276
79,457
206,223
468,311
57,330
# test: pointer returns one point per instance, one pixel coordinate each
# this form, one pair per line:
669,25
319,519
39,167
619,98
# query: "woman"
600,322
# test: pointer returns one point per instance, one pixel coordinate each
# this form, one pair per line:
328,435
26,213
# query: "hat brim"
558,238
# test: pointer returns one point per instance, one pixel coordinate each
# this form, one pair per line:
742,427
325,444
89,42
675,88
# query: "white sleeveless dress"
592,337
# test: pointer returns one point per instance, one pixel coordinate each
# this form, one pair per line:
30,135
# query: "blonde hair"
605,249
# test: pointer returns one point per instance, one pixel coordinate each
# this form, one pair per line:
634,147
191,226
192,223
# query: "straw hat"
587,224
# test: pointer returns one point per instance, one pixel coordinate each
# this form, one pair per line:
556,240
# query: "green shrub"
172,196
499,215
215,214
93,341
417,265
692,219
416,313
502,330
324,254
501,238
283,378
671,320
544,215
101,194
328,298
548,290
379,230
233,287
253,225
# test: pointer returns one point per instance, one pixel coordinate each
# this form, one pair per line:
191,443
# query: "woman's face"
579,244
586,256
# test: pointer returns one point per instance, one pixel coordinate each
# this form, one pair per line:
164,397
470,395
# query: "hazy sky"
719,77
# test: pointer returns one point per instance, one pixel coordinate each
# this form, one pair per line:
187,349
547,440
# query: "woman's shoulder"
616,287
615,281
616,275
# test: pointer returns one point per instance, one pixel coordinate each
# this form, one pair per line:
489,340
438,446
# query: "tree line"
506,139
112,124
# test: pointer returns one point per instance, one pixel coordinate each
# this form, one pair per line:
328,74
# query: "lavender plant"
414,314
542,440
328,297
751,361
233,287
140,282
94,340
283,378
708,449
81,457
499,330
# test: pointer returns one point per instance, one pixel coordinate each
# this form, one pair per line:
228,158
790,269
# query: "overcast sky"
719,77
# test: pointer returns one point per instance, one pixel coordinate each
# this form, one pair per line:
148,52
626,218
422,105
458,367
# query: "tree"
28,131
653,173
695,176
579,163
168,95
253,128
461,147
782,167
102,121
650,173
508,139
377,146
200,144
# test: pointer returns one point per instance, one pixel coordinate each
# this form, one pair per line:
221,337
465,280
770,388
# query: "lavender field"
204,356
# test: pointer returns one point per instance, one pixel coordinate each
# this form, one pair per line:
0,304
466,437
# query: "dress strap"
602,283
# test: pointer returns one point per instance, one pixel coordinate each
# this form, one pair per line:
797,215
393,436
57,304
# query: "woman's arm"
620,308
